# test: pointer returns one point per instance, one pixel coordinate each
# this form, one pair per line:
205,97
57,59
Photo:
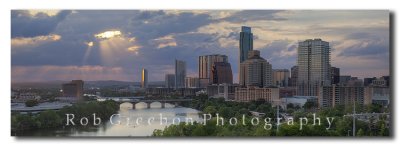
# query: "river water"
128,122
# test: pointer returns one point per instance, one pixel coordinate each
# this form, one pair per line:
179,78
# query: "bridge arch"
126,106
141,105
156,104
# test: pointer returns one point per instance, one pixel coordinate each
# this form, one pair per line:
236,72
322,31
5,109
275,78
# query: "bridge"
136,100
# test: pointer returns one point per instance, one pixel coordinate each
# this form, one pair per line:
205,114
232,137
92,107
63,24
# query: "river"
128,122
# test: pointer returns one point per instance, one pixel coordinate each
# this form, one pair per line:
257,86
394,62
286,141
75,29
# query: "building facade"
206,63
280,77
169,80
335,74
226,91
255,71
314,66
73,89
246,43
180,74
331,96
256,93
221,73
294,71
144,79
192,82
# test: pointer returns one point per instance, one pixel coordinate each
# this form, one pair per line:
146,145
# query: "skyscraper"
205,67
221,73
246,43
170,81
144,79
314,66
255,71
180,74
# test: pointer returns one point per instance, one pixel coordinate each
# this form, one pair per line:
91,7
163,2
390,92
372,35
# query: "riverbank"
54,119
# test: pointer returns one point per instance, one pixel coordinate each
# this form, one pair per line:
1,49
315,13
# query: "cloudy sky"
115,45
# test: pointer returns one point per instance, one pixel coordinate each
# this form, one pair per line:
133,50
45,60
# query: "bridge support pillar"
133,105
148,104
162,104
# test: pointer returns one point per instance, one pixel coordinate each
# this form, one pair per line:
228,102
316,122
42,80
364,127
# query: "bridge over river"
133,101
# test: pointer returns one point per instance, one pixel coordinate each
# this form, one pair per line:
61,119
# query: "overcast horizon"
48,45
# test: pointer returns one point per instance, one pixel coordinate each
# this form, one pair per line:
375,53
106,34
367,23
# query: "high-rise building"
192,82
255,71
280,77
221,73
246,43
314,66
180,74
294,74
206,63
144,79
333,95
170,81
335,74
73,89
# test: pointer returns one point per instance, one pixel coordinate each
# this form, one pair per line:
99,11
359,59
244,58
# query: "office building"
170,81
280,77
246,43
255,71
331,96
314,66
206,63
180,74
73,89
192,82
335,74
221,73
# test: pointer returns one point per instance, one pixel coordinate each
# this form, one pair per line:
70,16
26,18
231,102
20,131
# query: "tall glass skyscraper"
180,74
246,43
313,66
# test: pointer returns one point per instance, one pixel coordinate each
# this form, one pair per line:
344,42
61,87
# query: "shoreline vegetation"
53,119
342,126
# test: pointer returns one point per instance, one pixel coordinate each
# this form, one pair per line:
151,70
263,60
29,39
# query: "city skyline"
87,45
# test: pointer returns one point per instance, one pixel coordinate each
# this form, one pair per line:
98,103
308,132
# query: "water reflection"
128,117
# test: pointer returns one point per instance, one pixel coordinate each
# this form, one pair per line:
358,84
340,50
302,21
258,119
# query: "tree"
31,103
210,110
360,132
309,105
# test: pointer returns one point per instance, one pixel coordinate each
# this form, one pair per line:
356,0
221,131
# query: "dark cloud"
23,24
372,50
251,15
146,26
369,45
153,24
